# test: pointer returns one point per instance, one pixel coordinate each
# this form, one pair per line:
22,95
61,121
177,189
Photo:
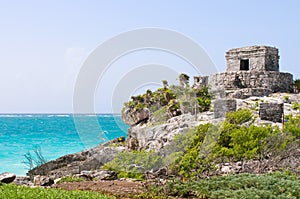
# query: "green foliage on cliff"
297,84
295,106
239,117
293,126
203,99
175,100
201,148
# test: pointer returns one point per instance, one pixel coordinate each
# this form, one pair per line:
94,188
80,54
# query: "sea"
54,135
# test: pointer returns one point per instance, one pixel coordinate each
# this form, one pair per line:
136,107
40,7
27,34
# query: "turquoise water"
56,135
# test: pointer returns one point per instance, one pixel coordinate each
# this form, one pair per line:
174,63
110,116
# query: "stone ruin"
251,71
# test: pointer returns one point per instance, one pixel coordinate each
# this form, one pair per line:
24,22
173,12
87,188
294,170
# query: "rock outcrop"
72,164
7,177
143,137
133,117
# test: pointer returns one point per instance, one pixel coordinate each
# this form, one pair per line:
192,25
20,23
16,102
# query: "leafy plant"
203,99
132,164
293,126
297,84
295,106
239,117
275,185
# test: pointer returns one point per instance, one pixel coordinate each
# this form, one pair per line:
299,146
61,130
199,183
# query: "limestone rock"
132,117
98,175
7,177
72,164
43,181
156,137
23,180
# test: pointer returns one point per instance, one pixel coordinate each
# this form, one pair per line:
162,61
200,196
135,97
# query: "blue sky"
43,43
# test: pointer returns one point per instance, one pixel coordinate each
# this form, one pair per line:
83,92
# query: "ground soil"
122,189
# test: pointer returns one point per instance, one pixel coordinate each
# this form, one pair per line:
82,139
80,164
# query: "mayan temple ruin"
251,71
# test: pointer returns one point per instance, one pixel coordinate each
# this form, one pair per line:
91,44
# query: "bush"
35,160
297,84
276,185
189,162
132,164
203,99
244,142
295,106
293,126
239,117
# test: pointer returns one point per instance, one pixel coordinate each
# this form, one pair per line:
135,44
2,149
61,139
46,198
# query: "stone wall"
260,58
271,111
272,80
222,106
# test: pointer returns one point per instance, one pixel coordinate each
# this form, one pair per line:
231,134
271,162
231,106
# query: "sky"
43,44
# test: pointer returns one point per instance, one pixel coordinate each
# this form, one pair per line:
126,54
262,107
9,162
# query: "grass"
8,191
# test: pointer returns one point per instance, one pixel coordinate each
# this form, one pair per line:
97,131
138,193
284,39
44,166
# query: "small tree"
184,80
32,161
297,84
165,84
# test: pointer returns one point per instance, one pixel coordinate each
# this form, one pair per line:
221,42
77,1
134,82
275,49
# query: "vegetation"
295,106
293,126
133,164
196,153
167,102
14,191
37,159
297,84
184,80
276,185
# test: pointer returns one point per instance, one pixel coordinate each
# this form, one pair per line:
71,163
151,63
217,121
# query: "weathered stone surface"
105,175
259,58
271,111
72,164
98,175
222,106
156,137
260,77
132,117
23,180
43,181
7,177
272,80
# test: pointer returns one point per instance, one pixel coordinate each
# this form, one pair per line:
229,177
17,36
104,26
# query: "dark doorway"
244,64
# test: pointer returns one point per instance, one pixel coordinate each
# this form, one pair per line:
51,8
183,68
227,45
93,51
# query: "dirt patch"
116,188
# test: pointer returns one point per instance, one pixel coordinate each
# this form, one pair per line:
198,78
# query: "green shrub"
132,164
189,163
244,142
203,98
239,117
70,179
293,126
297,84
295,106
275,185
